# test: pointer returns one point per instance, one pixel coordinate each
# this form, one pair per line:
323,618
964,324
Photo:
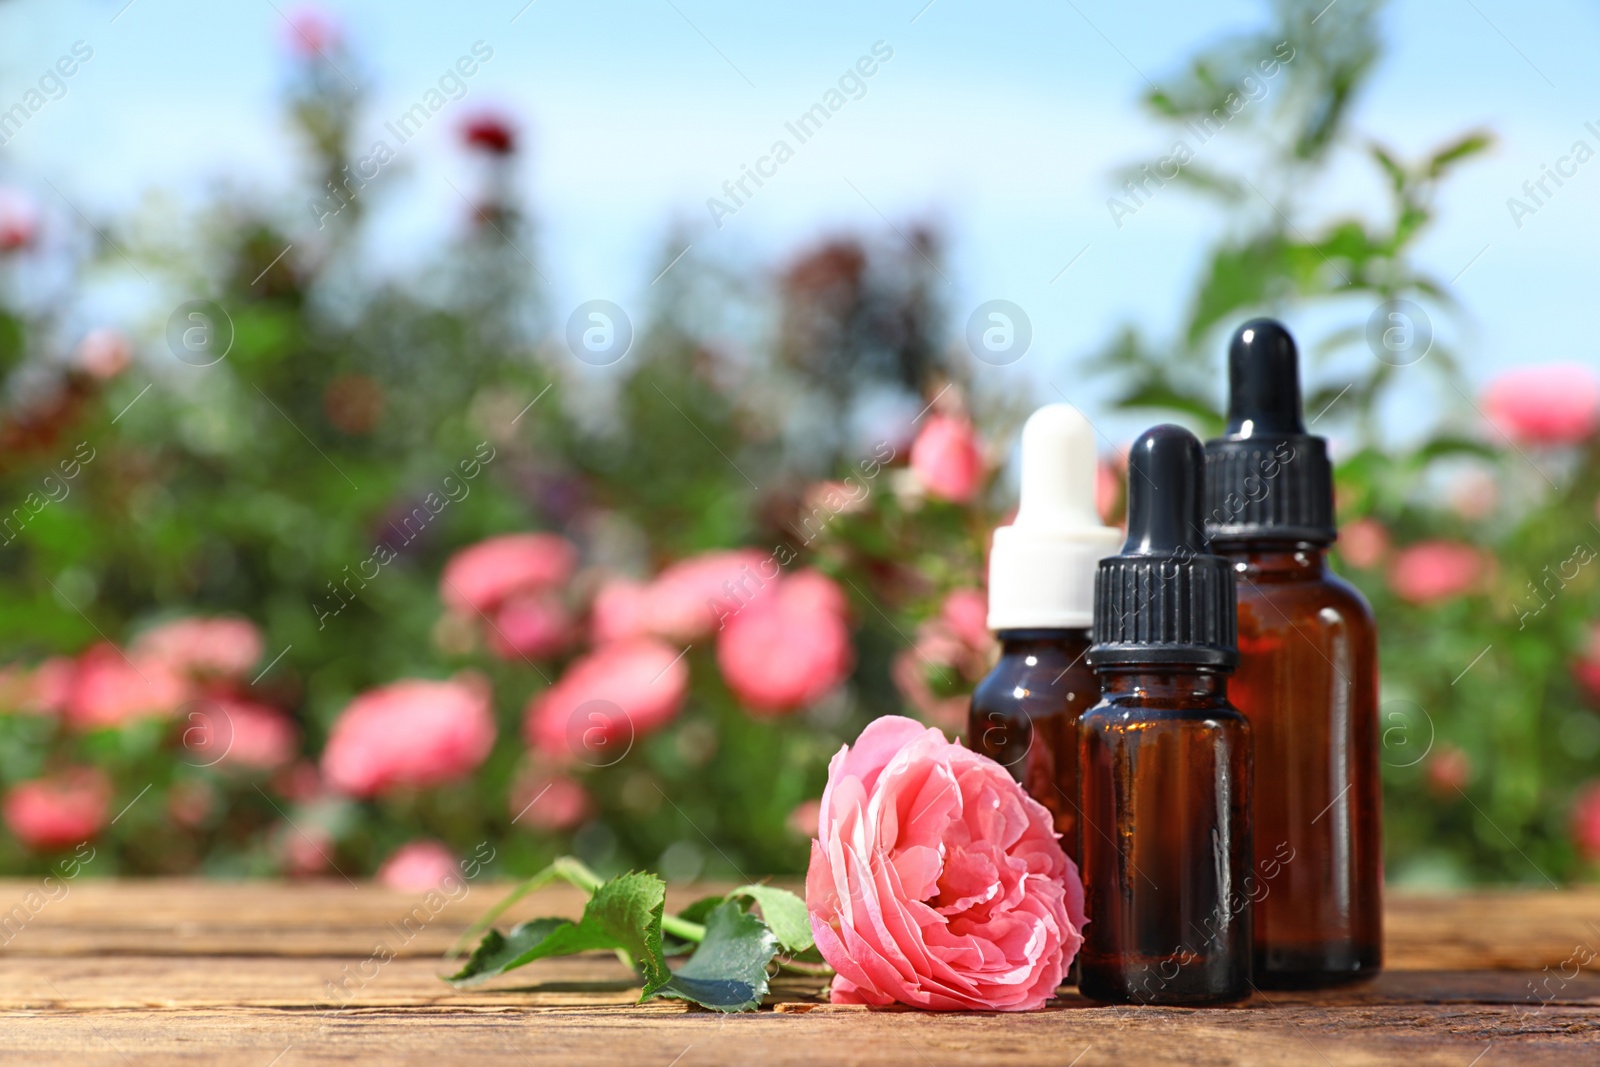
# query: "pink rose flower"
1552,404
935,881
1363,543
606,699
1586,821
947,459
534,625
59,811
230,731
224,646
110,689
418,866
410,734
490,132
689,599
480,577
550,801
104,353
1433,571
621,611
788,646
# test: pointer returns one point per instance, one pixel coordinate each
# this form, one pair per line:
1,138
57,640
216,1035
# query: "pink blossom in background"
1551,404
58,811
549,800
418,866
689,599
965,613
1586,668
103,353
110,689
935,881
300,782
478,578
1586,821
1363,543
788,646
19,219
224,730
41,690
225,646
909,671
1449,770
490,132
803,819
311,31
307,849
531,625
606,699
1108,482
1429,572
410,734
621,610
947,459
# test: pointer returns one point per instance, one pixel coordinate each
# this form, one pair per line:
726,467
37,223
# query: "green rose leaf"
785,915
624,913
728,972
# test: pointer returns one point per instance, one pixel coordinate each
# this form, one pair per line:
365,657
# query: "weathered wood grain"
276,975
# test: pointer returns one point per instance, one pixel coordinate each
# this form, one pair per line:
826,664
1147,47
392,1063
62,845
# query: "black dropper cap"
1165,599
1267,479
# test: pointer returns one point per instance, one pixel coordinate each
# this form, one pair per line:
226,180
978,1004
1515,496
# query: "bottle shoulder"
1124,708
1327,599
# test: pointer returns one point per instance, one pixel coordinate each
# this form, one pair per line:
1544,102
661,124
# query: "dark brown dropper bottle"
1307,678
1164,758
1024,713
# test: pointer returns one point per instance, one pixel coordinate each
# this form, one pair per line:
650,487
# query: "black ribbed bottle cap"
1165,598
1266,478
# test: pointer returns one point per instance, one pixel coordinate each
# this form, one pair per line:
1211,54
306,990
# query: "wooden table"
269,975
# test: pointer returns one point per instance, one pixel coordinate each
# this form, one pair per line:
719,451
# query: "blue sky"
1004,122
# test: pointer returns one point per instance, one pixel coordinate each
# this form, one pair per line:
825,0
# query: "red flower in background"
225,730
1449,770
311,31
223,646
549,800
410,734
689,599
789,645
418,866
947,459
1363,543
621,610
481,576
58,811
606,699
532,625
1586,821
1553,404
1586,668
110,688
490,132
19,219
1430,572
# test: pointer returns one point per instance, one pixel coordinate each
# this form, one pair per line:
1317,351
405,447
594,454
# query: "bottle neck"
1278,560
1013,642
1168,682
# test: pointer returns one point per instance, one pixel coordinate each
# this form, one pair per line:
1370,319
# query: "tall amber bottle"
1024,714
1307,678
1164,758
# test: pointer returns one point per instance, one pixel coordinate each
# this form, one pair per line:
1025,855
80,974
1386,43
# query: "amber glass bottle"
1025,712
1307,679
1164,758
1025,717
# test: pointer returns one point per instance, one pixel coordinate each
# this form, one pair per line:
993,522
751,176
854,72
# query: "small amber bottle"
1307,678
1024,714
1164,758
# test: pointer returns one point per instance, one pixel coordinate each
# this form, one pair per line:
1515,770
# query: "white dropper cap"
1042,566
